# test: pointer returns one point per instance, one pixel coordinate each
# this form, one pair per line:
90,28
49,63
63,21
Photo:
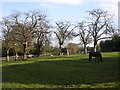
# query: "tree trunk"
8,57
95,45
16,56
85,49
39,50
68,52
60,50
25,51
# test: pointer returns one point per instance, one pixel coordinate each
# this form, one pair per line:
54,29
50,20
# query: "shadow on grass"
62,72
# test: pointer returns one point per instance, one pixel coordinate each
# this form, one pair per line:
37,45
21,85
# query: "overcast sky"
70,10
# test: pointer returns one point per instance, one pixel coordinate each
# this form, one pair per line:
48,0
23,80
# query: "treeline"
111,45
31,32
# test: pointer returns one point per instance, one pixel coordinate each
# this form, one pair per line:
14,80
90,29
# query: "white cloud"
111,7
66,2
48,5
113,1
53,4
70,2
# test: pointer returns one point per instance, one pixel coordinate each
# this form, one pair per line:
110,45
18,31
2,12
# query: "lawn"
74,71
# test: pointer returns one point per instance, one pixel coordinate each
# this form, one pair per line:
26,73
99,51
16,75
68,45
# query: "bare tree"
6,27
98,25
63,32
84,34
25,24
41,32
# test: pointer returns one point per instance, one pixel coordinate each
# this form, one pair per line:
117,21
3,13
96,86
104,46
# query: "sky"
73,10
70,10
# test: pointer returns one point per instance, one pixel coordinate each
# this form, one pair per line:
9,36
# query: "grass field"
74,71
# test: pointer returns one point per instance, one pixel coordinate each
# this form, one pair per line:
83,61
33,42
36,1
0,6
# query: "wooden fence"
11,58
21,57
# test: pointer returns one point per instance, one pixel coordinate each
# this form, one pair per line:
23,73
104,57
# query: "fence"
11,58
21,57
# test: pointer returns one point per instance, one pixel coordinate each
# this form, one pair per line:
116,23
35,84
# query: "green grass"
74,71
